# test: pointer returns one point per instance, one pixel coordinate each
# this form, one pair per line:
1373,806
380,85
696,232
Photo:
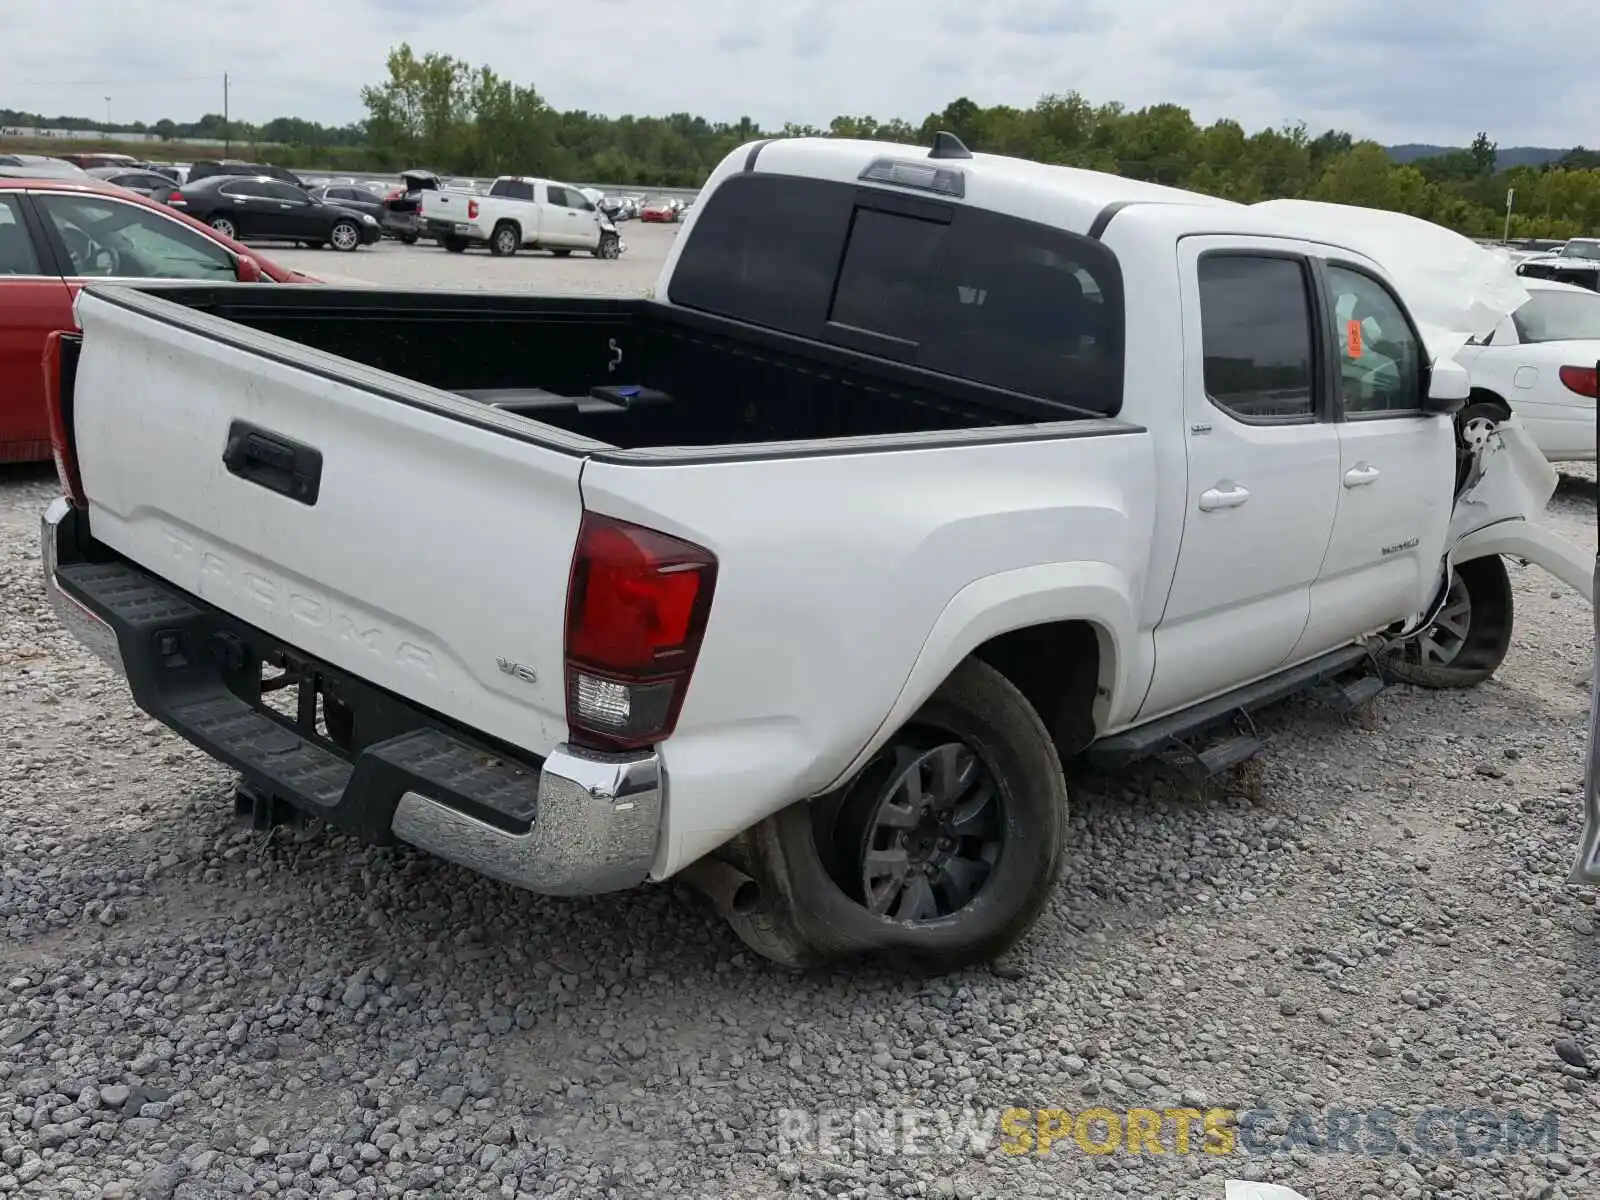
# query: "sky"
1433,71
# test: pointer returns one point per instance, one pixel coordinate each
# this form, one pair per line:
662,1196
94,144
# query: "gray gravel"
1376,917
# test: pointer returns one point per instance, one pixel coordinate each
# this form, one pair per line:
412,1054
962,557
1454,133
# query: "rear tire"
954,833
506,240
225,226
408,239
1470,637
455,245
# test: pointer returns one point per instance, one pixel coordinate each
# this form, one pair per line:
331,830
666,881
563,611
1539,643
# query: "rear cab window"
962,291
512,189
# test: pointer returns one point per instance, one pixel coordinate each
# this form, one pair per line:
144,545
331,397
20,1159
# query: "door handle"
1360,475
1232,495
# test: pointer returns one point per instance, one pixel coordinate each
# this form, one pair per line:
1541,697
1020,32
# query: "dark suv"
206,167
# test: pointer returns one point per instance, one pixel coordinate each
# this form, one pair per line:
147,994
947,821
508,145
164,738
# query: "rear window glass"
1558,317
512,189
949,288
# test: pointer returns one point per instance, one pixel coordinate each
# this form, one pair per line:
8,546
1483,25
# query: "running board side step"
1172,739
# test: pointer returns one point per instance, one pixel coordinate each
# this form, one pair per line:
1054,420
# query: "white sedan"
1540,362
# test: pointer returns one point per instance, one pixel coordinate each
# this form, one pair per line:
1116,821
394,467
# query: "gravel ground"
1374,918
426,265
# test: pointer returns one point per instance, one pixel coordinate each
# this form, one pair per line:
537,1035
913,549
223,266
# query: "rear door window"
1259,350
17,255
963,291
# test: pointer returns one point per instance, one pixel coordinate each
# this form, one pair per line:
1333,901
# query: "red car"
660,211
56,235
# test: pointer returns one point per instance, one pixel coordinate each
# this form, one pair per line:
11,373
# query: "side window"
1255,320
557,195
243,187
17,255
1380,358
283,191
105,238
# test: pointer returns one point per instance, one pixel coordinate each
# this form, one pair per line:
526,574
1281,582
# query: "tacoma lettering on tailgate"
302,605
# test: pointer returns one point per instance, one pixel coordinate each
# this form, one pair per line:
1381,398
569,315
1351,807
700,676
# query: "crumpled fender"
1496,513
1587,868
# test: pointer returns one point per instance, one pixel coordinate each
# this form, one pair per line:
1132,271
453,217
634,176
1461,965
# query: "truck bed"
630,374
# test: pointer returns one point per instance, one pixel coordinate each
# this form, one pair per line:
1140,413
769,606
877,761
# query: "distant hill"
1505,159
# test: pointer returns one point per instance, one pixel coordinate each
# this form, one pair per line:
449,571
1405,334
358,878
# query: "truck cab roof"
1070,198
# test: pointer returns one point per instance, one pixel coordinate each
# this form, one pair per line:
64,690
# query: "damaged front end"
1508,483
1587,868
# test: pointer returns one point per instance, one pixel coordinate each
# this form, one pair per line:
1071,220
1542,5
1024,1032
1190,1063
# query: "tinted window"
243,187
557,195
959,290
17,256
1558,317
513,189
1380,358
106,238
1255,320
283,191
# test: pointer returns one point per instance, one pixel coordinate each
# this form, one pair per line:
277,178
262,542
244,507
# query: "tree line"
437,111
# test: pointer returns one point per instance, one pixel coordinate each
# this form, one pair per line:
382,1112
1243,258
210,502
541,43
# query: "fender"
1538,544
1072,591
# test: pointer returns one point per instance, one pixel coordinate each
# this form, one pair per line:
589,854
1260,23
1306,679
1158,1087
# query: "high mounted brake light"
946,181
637,606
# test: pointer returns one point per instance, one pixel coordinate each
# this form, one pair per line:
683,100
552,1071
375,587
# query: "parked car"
89,161
261,209
205,168
1576,262
659,211
351,196
37,166
519,213
149,184
920,474
57,234
403,206
1539,363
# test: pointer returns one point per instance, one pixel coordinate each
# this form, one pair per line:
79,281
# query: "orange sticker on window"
1352,338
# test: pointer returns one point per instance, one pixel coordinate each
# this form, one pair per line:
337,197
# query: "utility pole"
108,114
227,136
1511,194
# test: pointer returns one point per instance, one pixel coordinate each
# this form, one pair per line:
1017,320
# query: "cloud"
1421,70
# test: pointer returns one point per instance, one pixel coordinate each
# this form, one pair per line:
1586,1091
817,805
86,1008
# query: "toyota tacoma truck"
919,473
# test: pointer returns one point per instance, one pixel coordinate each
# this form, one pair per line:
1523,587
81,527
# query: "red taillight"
472,210
1583,380
60,355
637,607
175,198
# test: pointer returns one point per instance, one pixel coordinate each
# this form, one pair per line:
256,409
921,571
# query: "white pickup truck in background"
921,473
519,213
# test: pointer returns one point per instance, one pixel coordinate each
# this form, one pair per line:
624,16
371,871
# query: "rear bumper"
576,823
466,230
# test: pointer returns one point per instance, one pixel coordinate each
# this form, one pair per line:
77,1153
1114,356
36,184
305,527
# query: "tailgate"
414,539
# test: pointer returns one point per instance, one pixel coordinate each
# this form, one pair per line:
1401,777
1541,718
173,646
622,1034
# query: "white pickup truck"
919,474
519,213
